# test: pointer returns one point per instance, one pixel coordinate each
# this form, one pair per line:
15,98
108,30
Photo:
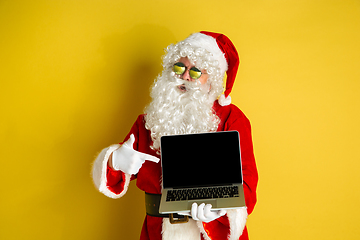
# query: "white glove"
204,213
129,160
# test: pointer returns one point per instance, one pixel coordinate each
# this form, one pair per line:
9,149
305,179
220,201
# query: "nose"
186,76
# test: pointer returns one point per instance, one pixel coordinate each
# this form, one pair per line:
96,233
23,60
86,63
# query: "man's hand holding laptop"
204,213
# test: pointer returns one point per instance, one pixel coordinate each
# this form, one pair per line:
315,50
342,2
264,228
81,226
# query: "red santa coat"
114,184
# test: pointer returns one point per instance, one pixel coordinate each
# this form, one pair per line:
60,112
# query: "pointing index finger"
149,157
152,159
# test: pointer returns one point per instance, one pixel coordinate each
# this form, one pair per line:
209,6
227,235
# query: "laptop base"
217,203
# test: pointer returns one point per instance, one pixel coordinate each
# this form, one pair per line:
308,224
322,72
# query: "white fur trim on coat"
99,173
237,220
181,231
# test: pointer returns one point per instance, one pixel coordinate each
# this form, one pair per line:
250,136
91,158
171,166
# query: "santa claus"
186,98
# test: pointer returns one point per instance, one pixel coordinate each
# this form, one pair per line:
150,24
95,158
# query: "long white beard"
175,112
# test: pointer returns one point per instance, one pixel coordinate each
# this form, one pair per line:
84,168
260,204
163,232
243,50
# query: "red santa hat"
224,52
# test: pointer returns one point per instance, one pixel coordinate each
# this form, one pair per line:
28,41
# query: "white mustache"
189,85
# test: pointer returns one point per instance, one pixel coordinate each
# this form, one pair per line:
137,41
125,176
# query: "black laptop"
202,168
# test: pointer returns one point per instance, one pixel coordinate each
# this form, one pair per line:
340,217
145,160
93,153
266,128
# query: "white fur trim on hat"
208,43
224,101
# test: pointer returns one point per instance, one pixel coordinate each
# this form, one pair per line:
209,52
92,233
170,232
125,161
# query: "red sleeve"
232,118
250,173
115,180
222,228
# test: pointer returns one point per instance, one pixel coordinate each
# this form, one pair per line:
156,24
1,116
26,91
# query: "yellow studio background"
75,74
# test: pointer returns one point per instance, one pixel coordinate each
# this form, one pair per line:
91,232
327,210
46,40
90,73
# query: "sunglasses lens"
179,68
195,73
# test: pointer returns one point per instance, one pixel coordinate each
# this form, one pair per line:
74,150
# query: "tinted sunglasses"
179,69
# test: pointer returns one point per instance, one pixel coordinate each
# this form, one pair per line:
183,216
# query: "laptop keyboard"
202,193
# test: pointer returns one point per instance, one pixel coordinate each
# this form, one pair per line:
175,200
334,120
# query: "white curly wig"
174,112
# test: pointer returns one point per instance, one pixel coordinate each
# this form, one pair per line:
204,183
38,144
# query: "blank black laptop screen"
198,160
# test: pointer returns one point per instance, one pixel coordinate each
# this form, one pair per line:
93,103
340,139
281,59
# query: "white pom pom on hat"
225,52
